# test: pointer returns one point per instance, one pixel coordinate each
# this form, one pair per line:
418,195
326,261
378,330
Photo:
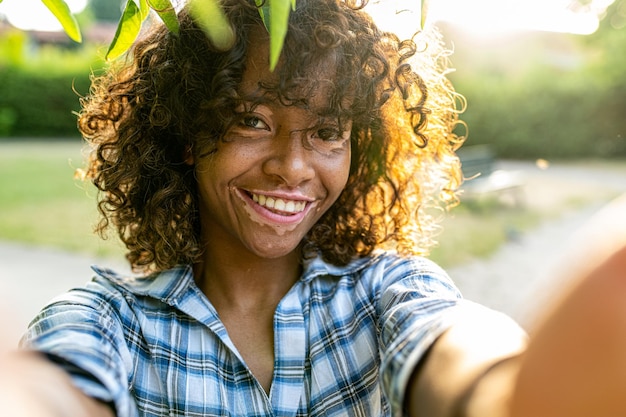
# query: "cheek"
337,177
222,164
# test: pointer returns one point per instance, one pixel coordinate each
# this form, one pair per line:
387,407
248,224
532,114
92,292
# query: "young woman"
277,220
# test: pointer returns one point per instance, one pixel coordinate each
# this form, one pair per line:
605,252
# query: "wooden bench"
482,177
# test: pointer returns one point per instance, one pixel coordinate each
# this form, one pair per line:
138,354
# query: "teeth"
287,206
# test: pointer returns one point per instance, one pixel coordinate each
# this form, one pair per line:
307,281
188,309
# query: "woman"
276,219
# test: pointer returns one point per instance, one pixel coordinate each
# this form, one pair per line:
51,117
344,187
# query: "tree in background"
106,10
548,95
611,35
608,68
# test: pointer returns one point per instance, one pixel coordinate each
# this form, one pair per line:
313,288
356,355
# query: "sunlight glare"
491,17
402,17
498,16
33,15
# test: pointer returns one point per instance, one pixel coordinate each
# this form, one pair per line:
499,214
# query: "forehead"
257,69
313,89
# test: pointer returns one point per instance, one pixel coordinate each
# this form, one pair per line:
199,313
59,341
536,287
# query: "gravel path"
518,279
515,280
31,276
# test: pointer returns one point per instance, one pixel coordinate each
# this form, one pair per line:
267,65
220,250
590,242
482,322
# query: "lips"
279,204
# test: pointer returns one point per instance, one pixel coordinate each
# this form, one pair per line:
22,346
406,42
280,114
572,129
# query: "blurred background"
545,87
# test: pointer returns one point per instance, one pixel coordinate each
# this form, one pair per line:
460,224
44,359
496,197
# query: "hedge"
547,117
40,103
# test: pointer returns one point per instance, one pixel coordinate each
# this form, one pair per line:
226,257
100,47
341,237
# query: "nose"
289,160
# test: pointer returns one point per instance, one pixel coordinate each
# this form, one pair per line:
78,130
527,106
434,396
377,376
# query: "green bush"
546,116
546,95
41,104
8,117
39,97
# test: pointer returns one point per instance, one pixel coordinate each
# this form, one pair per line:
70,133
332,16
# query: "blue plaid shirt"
346,341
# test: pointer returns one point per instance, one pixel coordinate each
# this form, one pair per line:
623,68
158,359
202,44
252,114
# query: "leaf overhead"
128,28
264,12
279,21
275,16
209,16
63,14
425,5
166,12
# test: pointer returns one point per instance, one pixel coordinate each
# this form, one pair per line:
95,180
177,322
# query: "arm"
470,370
577,355
30,385
574,363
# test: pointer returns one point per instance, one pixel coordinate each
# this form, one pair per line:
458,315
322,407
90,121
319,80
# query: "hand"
575,364
32,386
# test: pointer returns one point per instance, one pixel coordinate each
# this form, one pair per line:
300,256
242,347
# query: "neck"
233,281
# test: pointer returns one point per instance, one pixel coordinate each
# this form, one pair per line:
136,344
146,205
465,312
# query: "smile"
279,204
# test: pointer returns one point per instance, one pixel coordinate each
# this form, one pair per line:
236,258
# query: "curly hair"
176,94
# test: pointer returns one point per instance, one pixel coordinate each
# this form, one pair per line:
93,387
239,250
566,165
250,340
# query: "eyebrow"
270,94
250,101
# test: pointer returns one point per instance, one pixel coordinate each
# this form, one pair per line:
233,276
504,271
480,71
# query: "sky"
477,16
32,14
487,17
546,15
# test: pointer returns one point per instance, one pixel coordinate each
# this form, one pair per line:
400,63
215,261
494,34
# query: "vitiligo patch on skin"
281,223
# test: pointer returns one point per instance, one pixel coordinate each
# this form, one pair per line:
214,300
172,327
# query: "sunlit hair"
177,94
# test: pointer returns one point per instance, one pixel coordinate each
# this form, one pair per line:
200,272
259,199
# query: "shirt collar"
316,267
170,285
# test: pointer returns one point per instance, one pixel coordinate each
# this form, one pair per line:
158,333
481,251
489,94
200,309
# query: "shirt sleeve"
82,331
417,303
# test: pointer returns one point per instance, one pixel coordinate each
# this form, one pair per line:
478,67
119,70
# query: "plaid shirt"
346,341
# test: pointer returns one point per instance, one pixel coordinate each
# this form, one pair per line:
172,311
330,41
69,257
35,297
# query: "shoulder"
114,297
163,285
384,269
387,261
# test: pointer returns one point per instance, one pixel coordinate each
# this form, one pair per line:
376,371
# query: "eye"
253,122
329,139
328,134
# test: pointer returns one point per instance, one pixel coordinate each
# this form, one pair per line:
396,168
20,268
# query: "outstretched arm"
574,363
31,385
478,355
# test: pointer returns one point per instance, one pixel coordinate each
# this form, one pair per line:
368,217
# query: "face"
278,170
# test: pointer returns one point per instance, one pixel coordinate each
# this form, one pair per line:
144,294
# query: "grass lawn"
40,201
42,204
476,229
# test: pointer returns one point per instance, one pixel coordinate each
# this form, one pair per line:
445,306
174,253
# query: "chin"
275,250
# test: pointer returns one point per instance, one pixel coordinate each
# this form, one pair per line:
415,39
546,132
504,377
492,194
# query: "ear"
188,157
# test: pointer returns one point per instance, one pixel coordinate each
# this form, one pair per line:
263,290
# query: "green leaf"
264,11
166,12
62,12
279,15
209,16
275,16
128,28
425,5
